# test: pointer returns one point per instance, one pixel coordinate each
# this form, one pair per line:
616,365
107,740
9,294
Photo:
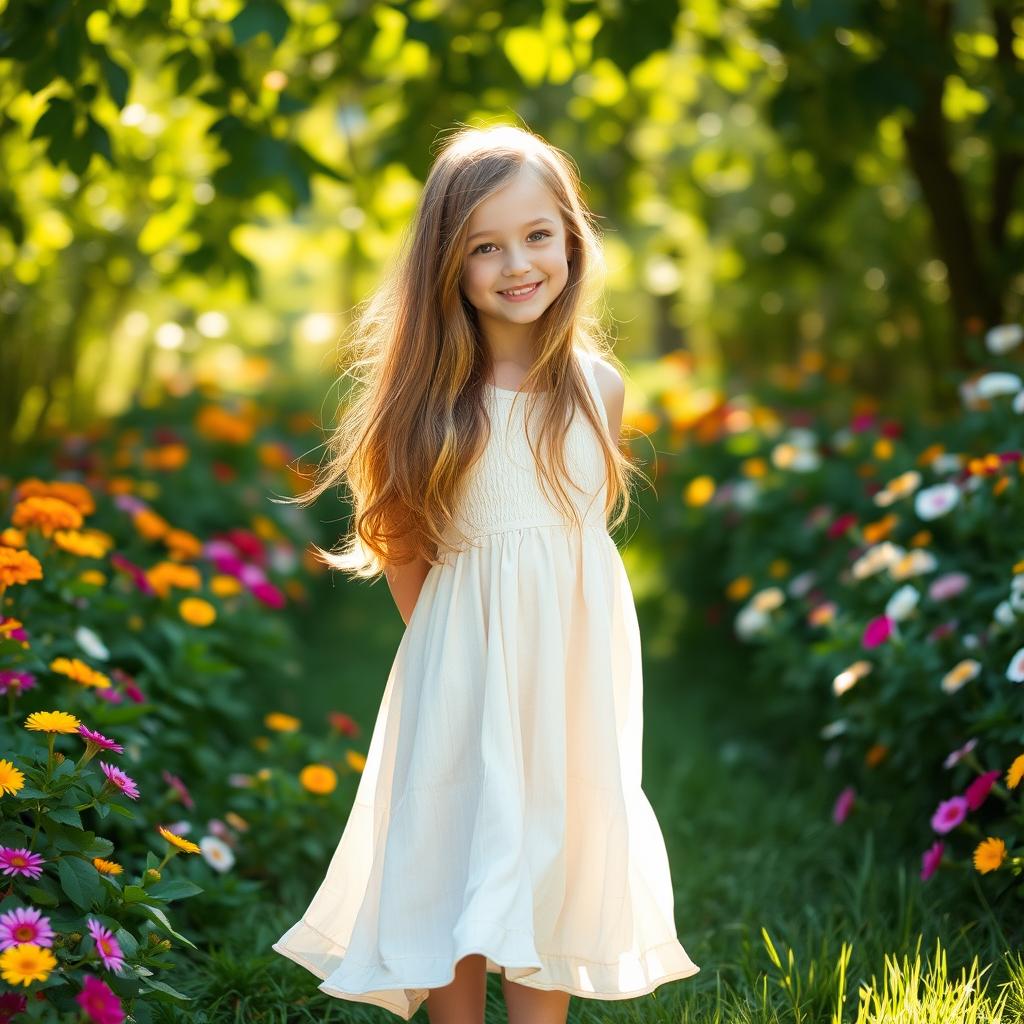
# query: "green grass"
788,915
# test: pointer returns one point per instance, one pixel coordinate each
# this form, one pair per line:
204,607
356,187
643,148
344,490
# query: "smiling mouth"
521,290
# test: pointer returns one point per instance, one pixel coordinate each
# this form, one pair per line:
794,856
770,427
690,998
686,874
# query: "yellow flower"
106,867
11,778
26,962
1019,567
236,821
46,514
699,491
355,760
223,585
261,742
1015,772
778,568
93,576
1000,485
18,567
739,588
263,774
921,539
197,612
165,575
52,721
280,722
182,844
318,778
84,543
961,673
989,854
754,467
883,448
67,490
76,669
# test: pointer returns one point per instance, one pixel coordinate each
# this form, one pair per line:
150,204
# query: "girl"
499,823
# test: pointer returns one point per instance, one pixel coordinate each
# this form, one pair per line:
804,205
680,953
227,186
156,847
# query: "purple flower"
98,740
119,780
16,682
949,814
843,805
25,924
20,861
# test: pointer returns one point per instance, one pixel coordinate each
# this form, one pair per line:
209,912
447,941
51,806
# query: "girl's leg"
462,1001
534,1005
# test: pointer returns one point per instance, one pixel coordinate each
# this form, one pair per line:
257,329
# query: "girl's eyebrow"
527,225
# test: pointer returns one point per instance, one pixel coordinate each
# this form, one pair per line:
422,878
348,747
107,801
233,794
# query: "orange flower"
175,840
46,514
318,778
165,575
921,539
18,567
12,538
197,612
183,545
70,491
280,722
880,528
151,525
166,457
106,867
876,754
989,855
76,669
1000,485
739,588
219,424
930,454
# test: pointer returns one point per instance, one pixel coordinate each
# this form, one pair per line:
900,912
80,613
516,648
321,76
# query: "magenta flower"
949,814
930,859
252,575
25,924
100,1002
955,756
862,421
108,948
97,740
14,632
119,780
179,787
130,686
841,525
843,805
16,682
977,792
267,594
11,1004
877,631
20,861
139,577
110,694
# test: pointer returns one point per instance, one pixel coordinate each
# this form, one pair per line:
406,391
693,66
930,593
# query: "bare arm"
405,582
613,391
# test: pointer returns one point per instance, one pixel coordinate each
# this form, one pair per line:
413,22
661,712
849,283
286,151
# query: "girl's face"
515,238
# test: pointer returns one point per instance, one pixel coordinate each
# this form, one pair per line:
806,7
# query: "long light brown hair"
413,420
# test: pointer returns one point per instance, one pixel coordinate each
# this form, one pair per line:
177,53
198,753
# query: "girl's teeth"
520,291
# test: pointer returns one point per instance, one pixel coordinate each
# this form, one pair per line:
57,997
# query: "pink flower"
119,780
977,792
141,581
930,859
14,632
843,805
955,756
948,585
21,861
130,686
949,814
877,631
110,694
107,947
98,740
252,576
179,787
100,1002
25,924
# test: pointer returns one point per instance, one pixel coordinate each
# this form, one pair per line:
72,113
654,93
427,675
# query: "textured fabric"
500,809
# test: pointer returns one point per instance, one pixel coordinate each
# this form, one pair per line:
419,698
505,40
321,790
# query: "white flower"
833,729
799,585
913,563
744,494
1003,337
217,853
936,501
947,462
903,602
1015,670
850,676
993,385
1017,600
876,558
91,644
750,621
1004,614
970,641
1018,402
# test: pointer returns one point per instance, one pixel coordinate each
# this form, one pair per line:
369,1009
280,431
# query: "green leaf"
65,815
162,988
174,889
125,812
43,896
135,894
99,847
260,16
79,880
156,915
117,79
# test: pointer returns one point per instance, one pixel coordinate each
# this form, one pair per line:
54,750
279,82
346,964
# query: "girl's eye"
539,231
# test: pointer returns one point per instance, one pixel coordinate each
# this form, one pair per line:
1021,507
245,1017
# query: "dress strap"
587,362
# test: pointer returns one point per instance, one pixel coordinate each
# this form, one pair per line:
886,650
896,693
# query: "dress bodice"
503,490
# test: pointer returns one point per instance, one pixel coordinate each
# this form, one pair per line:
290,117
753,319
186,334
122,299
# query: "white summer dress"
500,809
